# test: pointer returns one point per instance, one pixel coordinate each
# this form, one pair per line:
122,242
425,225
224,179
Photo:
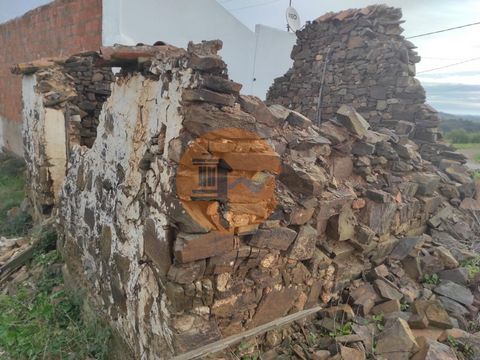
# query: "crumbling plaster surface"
248,53
45,147
113,213
55,147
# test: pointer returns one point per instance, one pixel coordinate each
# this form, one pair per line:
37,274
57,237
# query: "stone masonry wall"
370,66
301,213
62,103
169,280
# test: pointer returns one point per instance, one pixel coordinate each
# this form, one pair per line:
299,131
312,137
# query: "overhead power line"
439,31
253,6
449,65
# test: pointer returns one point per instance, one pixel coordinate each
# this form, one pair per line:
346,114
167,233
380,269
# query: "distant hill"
449,122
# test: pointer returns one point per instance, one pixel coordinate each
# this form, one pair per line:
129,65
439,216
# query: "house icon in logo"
212,179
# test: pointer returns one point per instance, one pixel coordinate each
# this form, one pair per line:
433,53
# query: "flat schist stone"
455,292
191,247
277,238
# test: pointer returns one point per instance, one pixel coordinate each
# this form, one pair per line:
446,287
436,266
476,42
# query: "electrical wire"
443,30
449,65
253,6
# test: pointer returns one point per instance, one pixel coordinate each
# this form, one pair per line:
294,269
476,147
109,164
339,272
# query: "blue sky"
455,89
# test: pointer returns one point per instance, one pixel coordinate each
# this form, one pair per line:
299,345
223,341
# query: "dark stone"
455,292
185,274
274,305
387,290
89,217
276,238
352,120
405,247
427,183
458,275
157,249
378,216
298,120
105,242
206,63
191,247
362,148
386,150
434,312
208,96
304,245
301,182
221,84
378,195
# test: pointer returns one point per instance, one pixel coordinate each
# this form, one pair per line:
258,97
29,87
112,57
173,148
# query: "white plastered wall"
263,54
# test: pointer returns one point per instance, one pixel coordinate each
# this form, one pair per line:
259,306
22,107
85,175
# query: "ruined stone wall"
173,273
62,103
92,85
305,211
369,65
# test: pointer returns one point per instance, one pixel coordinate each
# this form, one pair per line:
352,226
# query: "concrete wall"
263,54
60,28
272,57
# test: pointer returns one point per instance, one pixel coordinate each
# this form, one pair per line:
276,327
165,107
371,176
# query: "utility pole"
290,5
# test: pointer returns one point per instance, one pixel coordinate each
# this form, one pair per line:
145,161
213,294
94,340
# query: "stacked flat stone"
347,197
370,66
353,194
92,84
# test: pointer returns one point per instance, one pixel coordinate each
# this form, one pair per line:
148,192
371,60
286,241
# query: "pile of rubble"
361,219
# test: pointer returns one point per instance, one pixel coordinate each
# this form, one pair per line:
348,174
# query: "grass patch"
473,266
12,184
41,321
430,279
38,319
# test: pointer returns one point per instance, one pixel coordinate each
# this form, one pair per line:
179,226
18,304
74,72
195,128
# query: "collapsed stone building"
314,205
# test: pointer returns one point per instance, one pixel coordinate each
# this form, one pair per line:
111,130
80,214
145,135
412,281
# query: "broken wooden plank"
18,261
234,339
33,66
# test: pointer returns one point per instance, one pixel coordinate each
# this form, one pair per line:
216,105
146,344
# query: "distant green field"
471,150
467,146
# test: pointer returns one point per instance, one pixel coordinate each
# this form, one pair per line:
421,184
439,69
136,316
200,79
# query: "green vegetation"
41,321
344,329
448,125
469,146
312,339
379,321
38,319
431,279
465,351
250,357
12,185
461,136
473,266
